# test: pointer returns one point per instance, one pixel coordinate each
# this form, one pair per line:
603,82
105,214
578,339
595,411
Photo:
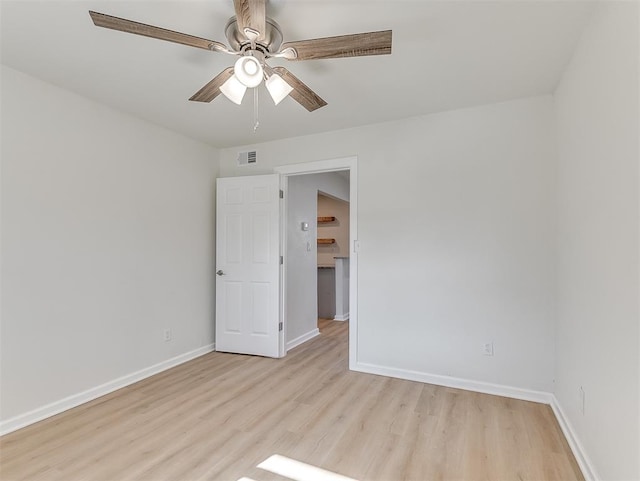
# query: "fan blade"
129,26
301,93
356,45
212,89
251,17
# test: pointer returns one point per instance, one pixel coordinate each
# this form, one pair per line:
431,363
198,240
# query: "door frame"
319,167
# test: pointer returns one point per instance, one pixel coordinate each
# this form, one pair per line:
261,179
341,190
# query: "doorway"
299,245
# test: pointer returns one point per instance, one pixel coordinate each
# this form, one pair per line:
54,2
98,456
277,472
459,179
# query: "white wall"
302,262
107,239
456,228
598,218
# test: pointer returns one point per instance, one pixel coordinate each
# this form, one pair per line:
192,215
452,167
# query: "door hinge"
281,260
280,327
281,194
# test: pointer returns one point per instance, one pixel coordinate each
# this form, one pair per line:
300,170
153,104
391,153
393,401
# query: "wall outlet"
581,399
487,349
167,335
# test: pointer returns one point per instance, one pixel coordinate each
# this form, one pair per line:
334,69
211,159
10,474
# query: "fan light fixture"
278,88
248,73
233,89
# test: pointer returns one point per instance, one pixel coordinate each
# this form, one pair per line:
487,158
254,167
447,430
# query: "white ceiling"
446,55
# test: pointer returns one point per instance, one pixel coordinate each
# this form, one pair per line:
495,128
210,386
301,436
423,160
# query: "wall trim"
586,466
458,383
56,407
304,338
345,163
583,460
342,317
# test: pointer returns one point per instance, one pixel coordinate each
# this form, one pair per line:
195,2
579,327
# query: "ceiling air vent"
247,158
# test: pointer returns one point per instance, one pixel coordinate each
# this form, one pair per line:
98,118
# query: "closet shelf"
325,220
326,241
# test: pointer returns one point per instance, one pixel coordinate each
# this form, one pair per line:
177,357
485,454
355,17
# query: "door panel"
248,265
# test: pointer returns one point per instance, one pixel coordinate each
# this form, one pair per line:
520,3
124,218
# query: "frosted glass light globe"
248,71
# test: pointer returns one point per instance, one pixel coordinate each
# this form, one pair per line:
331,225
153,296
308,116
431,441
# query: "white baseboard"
588,471
586,466
341,317
304,338
38,414
466,384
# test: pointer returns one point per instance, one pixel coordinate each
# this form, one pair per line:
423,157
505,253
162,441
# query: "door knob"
220,272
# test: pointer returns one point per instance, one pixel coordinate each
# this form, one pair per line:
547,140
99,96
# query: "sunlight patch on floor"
297,470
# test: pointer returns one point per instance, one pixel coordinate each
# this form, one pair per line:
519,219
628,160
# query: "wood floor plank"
218,416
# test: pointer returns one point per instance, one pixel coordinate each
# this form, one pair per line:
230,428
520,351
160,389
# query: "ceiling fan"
255,38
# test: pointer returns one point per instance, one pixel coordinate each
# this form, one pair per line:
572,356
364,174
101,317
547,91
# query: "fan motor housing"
239,42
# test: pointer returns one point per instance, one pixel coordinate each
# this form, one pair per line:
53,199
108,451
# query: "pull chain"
256,123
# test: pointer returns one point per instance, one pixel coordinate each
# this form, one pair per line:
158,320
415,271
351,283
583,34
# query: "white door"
248,265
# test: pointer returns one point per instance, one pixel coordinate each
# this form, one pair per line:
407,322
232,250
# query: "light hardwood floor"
218,416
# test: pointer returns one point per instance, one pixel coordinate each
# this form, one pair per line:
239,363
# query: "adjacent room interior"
458,236
333,257
317,226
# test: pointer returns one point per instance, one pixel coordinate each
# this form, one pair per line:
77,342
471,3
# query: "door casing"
318,167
